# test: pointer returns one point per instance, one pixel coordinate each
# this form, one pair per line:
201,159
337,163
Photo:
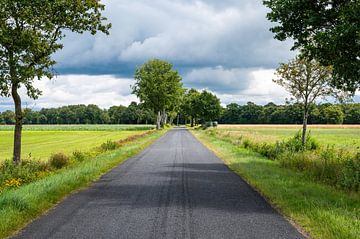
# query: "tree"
158,87
251,113
326,30
306,80
231,114
30,34
209,105
334,115
190,105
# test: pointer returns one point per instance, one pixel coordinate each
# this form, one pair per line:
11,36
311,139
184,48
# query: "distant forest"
250,113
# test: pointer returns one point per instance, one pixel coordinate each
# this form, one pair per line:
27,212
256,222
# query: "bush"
350,177
58,160
295,144
27,171
79,156
109,145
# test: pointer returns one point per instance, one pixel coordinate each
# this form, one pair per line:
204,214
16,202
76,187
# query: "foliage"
325,30
109,145
323,212
330,165
190,105
209,106
58,160
79,156
290,114
31,32
15,175
158,87
334,115
306,80
203,106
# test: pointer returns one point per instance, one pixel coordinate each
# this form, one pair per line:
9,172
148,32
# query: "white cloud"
103,90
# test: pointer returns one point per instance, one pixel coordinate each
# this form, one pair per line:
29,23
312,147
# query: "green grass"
320,210
89,127
341,137
19,206
41,144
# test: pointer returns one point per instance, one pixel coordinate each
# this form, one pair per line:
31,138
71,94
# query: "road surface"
176,188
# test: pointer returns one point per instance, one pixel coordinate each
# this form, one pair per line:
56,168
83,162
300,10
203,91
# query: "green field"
340,137
40,142
94,127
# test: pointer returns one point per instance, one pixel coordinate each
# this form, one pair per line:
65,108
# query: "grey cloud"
233,34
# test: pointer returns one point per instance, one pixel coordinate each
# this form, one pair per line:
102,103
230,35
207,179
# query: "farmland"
39,142
342,136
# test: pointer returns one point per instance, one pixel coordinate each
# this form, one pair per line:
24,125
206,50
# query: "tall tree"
190,105
158,87
306,80
209,105
327,30
30,33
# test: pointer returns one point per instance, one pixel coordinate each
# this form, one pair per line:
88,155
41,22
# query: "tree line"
197,107
83,114
271,113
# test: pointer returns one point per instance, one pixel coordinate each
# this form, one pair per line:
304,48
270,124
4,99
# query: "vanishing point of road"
176,188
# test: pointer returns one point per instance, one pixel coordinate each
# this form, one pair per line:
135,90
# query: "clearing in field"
39,142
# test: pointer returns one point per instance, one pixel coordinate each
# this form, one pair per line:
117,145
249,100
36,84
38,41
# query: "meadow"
40,141
341,136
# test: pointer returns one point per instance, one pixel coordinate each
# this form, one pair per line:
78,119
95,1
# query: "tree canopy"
30,32
326,30
306,80
158,87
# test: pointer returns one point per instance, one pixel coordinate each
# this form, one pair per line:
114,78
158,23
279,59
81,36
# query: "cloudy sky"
223,46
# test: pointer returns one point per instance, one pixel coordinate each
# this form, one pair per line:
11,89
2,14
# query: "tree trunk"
192,121
158,121
306,115
18,124
163,118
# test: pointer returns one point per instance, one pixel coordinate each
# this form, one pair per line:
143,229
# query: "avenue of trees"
135,113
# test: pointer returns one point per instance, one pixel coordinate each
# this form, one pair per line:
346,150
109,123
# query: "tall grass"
328,164
321,210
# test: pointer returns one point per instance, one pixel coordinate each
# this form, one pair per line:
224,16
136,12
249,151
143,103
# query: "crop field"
39,142
343,136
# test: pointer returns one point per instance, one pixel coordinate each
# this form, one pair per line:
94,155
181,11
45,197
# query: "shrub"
295,143
247,143
26,171
350,177
78,156
58,160
109,145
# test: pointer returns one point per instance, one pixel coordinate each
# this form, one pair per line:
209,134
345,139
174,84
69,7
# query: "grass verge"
320,210
19,206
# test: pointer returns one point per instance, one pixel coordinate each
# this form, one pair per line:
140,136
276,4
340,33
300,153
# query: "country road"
176,188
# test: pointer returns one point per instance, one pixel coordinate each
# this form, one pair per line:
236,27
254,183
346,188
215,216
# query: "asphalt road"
176,188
